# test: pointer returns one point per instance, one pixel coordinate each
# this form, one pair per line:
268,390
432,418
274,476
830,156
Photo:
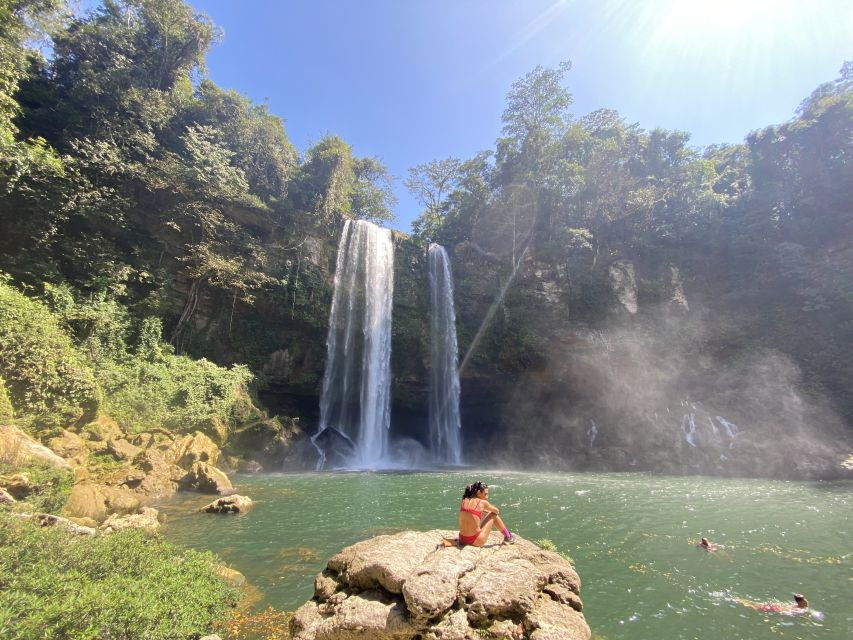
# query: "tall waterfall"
355,400
444,424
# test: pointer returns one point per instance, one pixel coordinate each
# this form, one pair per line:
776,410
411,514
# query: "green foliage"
332,183
123,586
172,392
7,411
548,545
21,20
47,378
51,486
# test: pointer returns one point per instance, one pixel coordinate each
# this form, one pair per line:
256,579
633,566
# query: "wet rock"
337,448
250,466
229,504
623,280
407,586
232,576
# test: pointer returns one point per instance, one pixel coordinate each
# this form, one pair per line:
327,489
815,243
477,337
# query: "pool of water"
632,537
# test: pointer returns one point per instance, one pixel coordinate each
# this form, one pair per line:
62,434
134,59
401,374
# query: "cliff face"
644,364
634,363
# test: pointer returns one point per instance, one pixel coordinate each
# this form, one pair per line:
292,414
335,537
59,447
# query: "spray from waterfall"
444,423
355,399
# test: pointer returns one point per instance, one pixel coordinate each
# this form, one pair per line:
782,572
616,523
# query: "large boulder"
206,478
121,449
90,500
188,450
152,476
408,585
22,450
70,446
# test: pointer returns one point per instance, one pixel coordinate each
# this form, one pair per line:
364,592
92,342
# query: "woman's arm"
487,506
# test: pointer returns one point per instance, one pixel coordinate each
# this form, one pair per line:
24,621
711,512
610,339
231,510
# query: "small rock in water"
229,504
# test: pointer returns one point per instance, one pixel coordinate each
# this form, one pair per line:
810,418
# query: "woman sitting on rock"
474,527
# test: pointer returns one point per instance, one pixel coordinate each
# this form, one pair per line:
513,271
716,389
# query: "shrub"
7,413
48,380
124,586
50,486
549,545
172,392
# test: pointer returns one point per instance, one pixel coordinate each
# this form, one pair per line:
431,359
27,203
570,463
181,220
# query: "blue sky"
416,80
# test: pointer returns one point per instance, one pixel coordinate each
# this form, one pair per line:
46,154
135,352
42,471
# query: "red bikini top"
479,514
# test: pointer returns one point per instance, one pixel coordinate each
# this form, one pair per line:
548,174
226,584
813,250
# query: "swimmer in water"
707,546
798,607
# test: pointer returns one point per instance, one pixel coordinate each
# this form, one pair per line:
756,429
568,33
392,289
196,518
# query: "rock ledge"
407,586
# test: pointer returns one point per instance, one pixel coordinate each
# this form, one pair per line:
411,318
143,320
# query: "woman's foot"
510,539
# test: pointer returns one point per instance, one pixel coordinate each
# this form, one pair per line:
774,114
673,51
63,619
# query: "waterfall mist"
669,394
355,399
444,423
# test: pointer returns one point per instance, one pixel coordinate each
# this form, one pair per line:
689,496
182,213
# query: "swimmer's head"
801,601
705,542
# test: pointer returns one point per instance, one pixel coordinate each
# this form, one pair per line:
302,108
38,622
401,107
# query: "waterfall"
355,400
444,423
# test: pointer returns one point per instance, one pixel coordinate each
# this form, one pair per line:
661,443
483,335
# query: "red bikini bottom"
468,539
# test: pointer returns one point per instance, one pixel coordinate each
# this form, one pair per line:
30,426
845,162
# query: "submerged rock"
407,585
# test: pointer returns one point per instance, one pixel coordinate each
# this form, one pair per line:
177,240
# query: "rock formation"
408,585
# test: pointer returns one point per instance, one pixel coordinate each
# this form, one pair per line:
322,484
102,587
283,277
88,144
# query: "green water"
631,536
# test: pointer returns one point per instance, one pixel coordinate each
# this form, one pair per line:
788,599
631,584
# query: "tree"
334,184
20,21
431,183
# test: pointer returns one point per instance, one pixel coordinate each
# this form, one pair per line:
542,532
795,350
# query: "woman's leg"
500,524
485,529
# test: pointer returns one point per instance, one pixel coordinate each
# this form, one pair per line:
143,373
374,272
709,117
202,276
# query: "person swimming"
798,607
474,527
706,545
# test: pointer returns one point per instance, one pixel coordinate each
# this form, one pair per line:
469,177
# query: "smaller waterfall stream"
355,400
444,422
